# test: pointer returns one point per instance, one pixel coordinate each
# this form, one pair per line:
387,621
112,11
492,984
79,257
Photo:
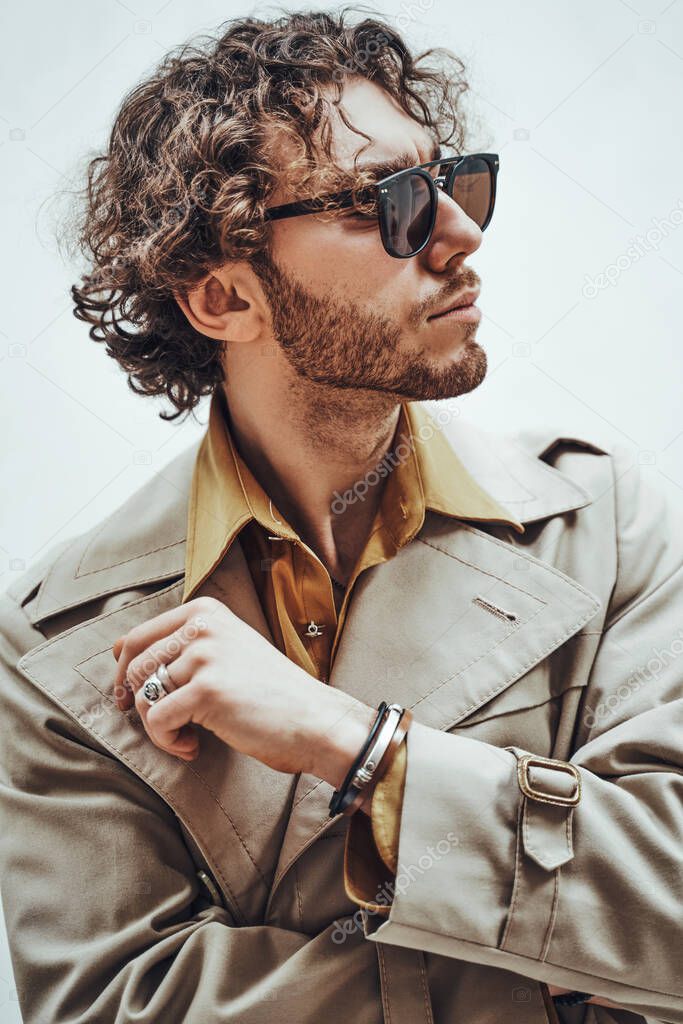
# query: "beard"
337,343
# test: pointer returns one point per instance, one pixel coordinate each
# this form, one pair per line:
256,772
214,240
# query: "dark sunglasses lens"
471,186
405,213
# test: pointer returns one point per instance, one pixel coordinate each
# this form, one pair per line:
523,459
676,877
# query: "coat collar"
399,642
421,472
144,541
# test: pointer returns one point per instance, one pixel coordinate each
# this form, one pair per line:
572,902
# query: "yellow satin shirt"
304,608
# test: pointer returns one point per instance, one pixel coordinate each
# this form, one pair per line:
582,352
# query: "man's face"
346,313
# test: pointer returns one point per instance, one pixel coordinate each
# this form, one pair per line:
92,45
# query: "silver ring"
164,677
153,689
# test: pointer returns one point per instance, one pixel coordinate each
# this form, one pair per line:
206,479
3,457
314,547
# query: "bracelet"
571,998
338,794
355,793
366,763
384,763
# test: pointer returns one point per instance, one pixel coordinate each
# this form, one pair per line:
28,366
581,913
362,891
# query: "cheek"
349,264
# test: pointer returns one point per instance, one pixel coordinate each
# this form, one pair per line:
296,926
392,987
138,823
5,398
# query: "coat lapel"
446,626
234,807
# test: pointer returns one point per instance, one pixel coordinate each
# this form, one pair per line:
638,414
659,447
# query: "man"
330,544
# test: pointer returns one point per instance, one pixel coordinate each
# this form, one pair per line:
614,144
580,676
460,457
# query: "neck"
308,443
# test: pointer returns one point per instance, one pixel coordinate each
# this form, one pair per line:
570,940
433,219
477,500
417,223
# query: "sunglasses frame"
348,197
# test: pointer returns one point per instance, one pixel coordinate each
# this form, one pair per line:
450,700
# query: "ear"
227,305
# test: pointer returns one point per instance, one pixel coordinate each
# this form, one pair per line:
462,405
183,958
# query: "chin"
430,378
453,343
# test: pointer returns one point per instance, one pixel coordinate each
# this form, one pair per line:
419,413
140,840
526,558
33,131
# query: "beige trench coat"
140,888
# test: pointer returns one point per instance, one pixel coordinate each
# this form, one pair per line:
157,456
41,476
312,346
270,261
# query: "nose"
455,234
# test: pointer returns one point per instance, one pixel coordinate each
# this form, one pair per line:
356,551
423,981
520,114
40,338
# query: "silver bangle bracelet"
376,753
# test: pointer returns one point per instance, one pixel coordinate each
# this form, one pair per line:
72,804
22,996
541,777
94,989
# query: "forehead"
390,131
375,112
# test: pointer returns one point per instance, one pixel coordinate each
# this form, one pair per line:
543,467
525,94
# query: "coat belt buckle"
530,760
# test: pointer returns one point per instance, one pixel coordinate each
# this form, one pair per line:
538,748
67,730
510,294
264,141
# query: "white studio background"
582,266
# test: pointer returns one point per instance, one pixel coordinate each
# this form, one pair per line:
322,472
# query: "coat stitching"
553,915
556,642
506,547
124,561
527,832
127,760
425,989
534,660
297,889
383,975
187,767
517,875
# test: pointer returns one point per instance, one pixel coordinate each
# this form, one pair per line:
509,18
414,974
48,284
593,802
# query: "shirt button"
313,629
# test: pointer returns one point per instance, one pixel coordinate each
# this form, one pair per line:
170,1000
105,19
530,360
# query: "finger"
179,672
141,636
135,643
146,633
168,650
181,741
169,721
182,736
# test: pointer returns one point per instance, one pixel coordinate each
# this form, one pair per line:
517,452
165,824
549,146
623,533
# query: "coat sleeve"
105,917
585,895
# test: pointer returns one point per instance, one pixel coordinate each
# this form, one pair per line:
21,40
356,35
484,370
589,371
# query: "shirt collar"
422,472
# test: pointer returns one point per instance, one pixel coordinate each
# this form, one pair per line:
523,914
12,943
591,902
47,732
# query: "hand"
230,680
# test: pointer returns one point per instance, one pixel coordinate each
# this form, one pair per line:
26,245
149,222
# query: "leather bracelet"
371,758
385,761
338,795
354,795
571,998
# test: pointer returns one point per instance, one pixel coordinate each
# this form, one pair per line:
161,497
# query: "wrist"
340,739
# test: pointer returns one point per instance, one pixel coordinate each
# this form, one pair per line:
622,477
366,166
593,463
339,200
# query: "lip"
464,302
464,314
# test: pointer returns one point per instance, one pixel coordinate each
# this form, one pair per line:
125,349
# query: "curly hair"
189,168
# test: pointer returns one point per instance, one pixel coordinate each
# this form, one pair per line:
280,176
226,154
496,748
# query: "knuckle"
195,627
203,686
173,644
133,671
207,605
203,653
141,667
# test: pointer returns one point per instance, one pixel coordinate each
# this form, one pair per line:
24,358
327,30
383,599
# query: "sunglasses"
405,202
